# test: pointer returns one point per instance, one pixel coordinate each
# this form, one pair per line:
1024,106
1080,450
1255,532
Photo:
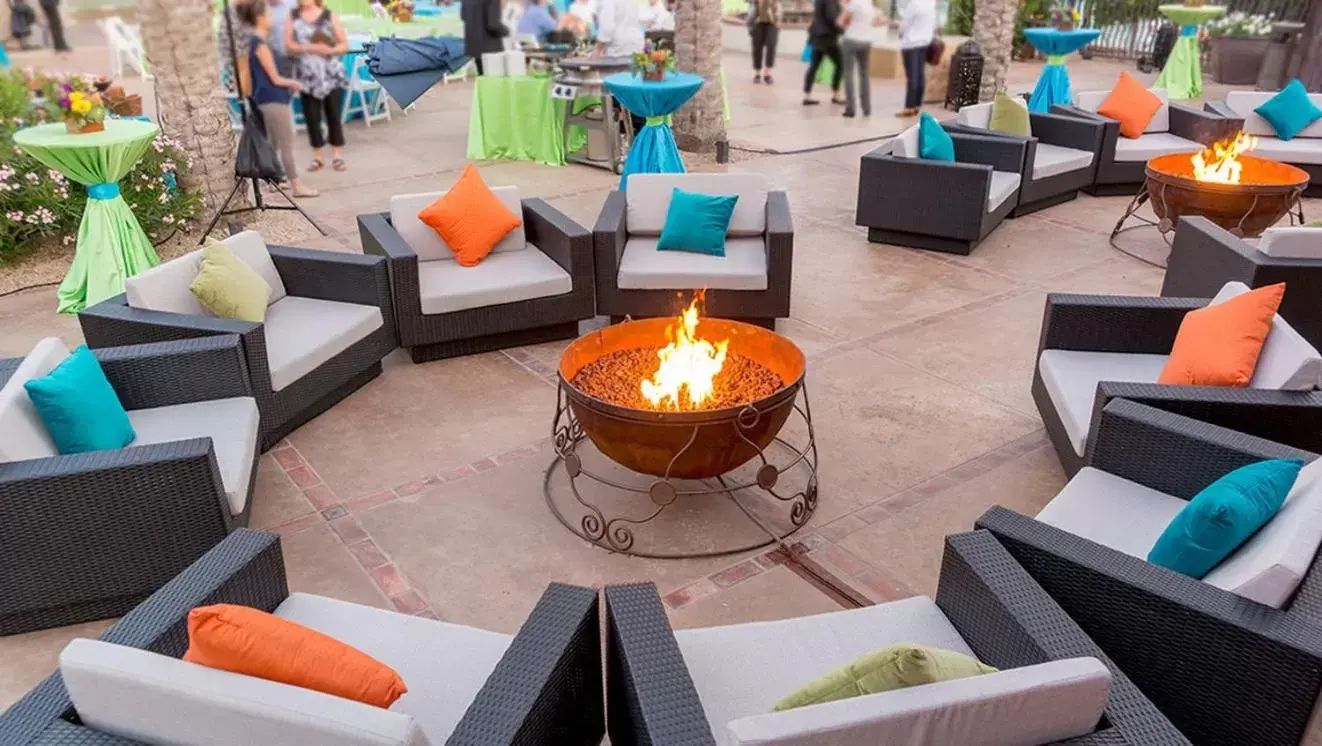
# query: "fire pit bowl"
696,444
1267,191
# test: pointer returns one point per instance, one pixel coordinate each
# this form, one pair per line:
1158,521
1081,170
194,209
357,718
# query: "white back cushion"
905,144
1292,242
428,244
648,200
251,248
1287,361
976,115
163,701
1271,565
1161,121
1039,704
165,287
23,436
1244,102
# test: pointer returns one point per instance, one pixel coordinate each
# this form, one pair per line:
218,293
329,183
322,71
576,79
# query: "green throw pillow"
228,287
896,667
1009,117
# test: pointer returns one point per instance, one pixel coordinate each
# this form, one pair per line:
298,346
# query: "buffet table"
516,119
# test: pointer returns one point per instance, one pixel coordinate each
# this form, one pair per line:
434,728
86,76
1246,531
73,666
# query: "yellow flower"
80,106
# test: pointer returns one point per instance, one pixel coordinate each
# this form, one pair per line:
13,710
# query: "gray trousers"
279,120
856,54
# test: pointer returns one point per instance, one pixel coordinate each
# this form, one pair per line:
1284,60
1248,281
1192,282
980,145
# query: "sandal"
306,193
317,165
339,165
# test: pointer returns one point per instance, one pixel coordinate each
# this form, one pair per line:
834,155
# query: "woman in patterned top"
764,27
318,42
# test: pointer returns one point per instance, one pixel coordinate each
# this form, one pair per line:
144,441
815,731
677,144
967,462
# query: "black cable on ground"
814,149
26,288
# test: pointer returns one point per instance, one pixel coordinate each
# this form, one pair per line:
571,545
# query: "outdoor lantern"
965,76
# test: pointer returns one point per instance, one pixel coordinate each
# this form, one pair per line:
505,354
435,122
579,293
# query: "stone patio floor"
423,490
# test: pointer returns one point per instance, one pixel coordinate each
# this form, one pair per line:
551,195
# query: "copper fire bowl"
1266,193
683,445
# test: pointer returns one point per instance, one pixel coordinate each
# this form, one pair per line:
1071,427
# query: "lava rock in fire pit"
616,378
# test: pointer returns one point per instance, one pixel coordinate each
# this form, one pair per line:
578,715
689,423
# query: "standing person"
856,49
318,42
824,38
657,17
272,92
764,28
484,33
620,34
537,20
52,10
917,26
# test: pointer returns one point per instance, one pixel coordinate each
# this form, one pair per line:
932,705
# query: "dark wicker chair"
471,330
1204,256
939,205
322,275
1007,620
1054,167
88,536
1227,671
545,690
1142,325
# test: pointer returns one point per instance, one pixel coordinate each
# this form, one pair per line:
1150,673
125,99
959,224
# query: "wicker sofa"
1303,150
535,286
89,535
1095,348
1232,659
466,685
750,283
329,323
711,686
939,205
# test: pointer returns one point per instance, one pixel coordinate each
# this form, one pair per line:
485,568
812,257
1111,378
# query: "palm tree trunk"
180,44
993,30
1309,52
699,124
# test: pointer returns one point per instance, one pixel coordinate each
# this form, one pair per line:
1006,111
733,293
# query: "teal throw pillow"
697,223
1290,111
78,406
934,143
1223,516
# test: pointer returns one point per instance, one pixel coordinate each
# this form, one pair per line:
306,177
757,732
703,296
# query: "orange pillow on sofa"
249,641
1131,104
469,218
1219,345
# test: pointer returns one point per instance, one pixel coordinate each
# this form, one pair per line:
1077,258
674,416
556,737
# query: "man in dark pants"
52,10
483,29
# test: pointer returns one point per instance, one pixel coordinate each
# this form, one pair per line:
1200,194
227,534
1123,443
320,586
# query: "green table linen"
111,245
418,28
516,119
1182,78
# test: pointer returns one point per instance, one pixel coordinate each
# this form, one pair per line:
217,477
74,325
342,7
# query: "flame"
1219,163
688,365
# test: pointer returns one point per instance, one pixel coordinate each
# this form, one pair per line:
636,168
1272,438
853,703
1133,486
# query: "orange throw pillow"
1131,104
249,641
469,218
1219,345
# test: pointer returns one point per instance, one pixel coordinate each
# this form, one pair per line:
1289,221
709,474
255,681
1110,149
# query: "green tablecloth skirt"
111,245
516,119
1182,78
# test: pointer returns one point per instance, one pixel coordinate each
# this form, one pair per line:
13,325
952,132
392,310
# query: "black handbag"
256,158
936,50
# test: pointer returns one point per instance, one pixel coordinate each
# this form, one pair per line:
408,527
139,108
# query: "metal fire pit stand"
615,532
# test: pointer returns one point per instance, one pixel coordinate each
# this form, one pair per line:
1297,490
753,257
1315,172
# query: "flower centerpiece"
75,101
1063,17
400,10
652,63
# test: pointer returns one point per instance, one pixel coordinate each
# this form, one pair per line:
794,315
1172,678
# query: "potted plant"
1063,17
400,10
75,101
652,63
1238,43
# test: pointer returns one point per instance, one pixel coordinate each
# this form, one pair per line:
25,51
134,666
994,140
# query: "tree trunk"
993,30
1309,51
181,48
700,123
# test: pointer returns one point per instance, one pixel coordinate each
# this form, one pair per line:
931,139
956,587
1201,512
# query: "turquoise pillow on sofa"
78,406
934,143
1224,515
696,222
1290,111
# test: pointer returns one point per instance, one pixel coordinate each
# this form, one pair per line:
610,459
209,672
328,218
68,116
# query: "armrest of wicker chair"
1224,669
113,323
561,238
650,695
780,245
1001,153
380,238
1172,453
609,235
1009,621
7,368
245,568
1113,323
1068,132
334,275
167,373
1202,127
1219,108
546,689
922,196
1070,110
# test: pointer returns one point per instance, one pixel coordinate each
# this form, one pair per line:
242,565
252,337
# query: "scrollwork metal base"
616,532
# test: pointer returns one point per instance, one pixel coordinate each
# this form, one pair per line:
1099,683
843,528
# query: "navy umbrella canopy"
408,68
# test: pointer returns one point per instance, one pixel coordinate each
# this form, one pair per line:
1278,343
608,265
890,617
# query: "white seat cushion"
744,669
155,699
1298,150
443,665
1003,184
1053,160
643,267
1112,511
232,425
1244,102
905,144
509,277
165,287
303,333
1071,378
1291,242
23,435
648,199
428,244
975,115
1287,361
1161,121
1152,145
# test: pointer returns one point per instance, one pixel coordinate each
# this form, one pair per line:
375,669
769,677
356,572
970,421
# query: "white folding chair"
125,42
372,100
